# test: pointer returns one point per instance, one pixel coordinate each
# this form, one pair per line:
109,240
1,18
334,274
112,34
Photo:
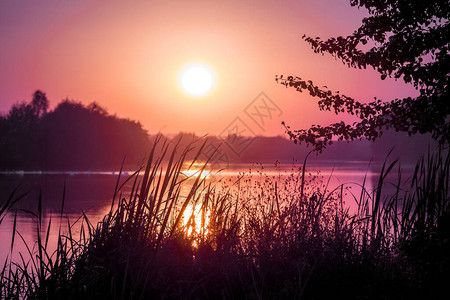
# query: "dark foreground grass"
265,239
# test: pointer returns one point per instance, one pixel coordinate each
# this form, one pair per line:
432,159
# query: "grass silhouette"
182,237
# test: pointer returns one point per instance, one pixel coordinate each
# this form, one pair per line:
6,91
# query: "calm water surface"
91,193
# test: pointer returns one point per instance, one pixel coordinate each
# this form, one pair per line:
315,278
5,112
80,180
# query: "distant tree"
97,108
21,115
407,39
72,136
39,103
21,133
24,114
87,137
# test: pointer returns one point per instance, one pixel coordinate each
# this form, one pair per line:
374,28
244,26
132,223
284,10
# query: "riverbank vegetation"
182,237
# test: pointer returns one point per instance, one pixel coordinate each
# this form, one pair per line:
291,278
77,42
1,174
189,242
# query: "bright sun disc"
197,80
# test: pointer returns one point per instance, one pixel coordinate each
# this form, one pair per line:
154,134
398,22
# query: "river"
92,192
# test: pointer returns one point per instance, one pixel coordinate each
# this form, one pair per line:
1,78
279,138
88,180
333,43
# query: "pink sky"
127,56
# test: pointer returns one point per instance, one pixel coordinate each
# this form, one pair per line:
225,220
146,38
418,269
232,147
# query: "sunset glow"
152,62
224,149
196,173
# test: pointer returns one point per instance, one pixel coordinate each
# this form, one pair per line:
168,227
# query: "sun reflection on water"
196,169
195,221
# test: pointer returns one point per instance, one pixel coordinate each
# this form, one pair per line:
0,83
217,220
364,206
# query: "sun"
197,79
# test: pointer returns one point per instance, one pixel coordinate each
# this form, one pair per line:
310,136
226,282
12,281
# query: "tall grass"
182,237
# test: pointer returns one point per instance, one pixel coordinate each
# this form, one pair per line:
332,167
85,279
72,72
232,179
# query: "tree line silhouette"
71,136
74,136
